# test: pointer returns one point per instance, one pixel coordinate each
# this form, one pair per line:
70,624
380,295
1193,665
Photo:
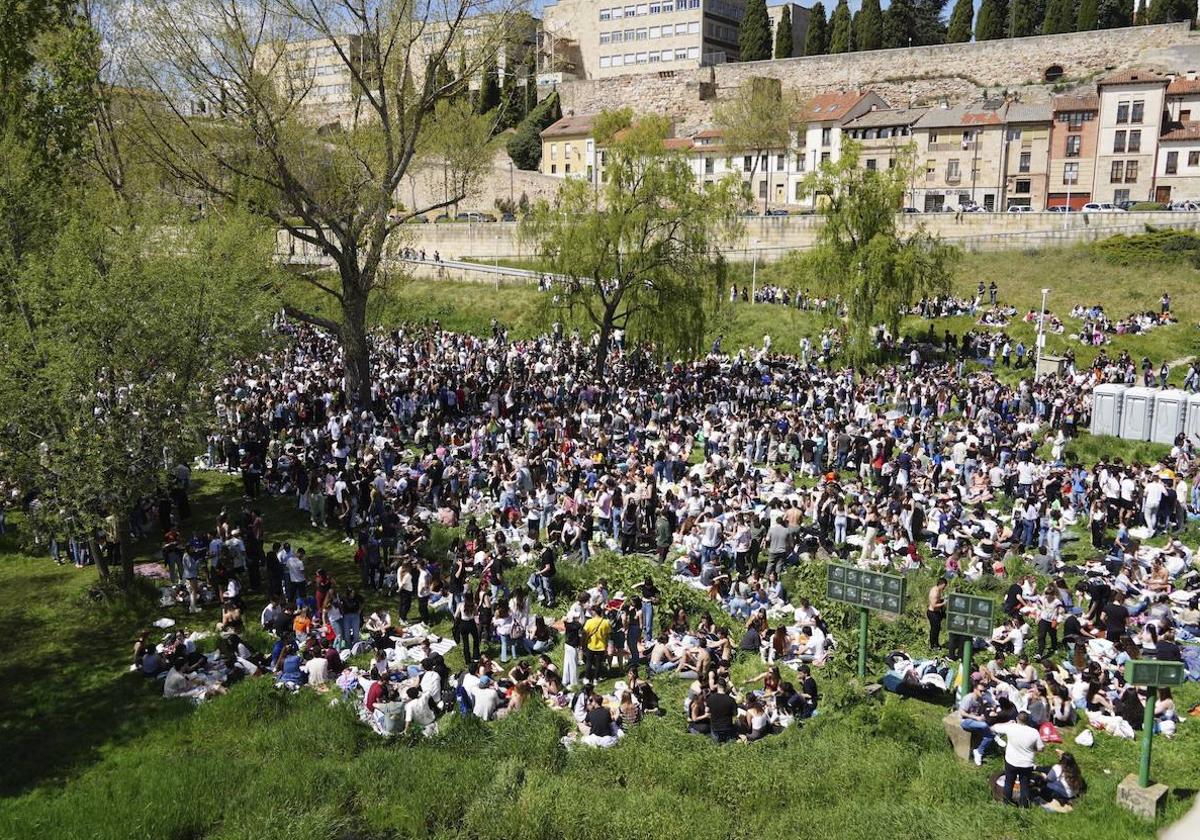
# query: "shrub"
525,146
1152,246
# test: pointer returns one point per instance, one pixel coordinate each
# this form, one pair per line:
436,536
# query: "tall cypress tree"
754,35
489,89
928,27
1088,17
900,25
1139,16
839,28
1060,17
992,23
816,42
1025,19
868,26
961,19
783,34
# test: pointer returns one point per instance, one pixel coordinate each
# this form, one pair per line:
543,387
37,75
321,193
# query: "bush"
525,146
1152,246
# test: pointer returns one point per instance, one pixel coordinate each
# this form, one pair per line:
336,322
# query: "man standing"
595,644
936,612
662,535
778,541
1020,755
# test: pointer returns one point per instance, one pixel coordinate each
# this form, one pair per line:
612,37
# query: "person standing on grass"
936,612
1020,756
596,631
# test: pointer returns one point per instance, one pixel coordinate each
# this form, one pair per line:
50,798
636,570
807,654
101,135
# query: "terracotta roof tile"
1134,76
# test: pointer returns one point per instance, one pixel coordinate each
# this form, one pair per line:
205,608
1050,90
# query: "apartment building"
960,153
1131,107
317,73
1177,171
1026,155
569,147
821,140
800,17
1073,142
884,135
588,40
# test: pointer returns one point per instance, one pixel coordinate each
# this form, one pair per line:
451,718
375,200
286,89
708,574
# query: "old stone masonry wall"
917,75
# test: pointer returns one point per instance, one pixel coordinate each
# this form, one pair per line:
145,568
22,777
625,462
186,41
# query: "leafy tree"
992,22
525,146
816,40
861,256
332,186
758,122
840,33
783,34
1060,17
488,99
868,26
644,258
1025,18
1088,16
531,100
959,30
754,34
1113,14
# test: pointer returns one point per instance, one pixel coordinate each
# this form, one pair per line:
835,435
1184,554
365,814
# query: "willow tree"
270,104
862,256
760,121
643,253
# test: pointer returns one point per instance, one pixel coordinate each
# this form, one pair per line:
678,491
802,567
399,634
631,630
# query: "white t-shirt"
1023,743
487,700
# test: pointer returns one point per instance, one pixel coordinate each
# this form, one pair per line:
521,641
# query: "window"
708,166
553,151
641,34
653,32
653,56
799,191
629,35
618,61
694,28
891,163
1172,163
933,137
1193,159
762,162
567,169
1117,174
606,61
617,13
568,149
681,29
629,58
747,163
762,189
1119,141
643,9
1120,195
1135,141
1070,173
1013,134
1122,113
630,11
668,6
616,36
800,163
1139,108
1131,171
1023,162
693,52
1023,186
1075,121
824,157
780,162
826,136
1074,144
953,173
605,14
871,164
642,58
605,37
1185,116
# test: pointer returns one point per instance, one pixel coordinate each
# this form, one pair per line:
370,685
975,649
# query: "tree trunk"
124,552
354,342
606,328
99,557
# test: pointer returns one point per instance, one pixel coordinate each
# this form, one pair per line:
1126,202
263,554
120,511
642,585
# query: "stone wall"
918,75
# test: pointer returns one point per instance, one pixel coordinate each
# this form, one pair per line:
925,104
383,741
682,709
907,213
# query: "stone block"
1143,801
960,739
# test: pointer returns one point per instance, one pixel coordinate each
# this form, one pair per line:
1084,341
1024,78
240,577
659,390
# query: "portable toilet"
1106,409
1137,410
1170,407
1191,419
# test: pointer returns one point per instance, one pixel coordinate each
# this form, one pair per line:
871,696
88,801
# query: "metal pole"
862,643
964,684
1147,736
1041,338
754,275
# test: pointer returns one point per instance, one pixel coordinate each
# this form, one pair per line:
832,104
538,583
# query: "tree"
929,26
754,34
1113,14
959,30
868,26
900,25
992,22
1170,11
783,34
840,33
328,177
1060,17
525,146
489,89
1025,18
1088,16
757,123
645,258
861,256
816,40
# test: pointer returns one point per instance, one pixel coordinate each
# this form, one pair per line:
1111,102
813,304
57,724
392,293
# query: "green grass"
96,752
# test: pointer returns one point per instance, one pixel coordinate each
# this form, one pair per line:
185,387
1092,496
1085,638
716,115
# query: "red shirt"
373,695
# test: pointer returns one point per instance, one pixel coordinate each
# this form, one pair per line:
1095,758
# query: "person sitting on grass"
1059,784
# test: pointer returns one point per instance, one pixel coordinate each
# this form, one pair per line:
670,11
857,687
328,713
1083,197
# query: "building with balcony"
1131,112
960,157
1177,170
884,136
1073,139
1026,155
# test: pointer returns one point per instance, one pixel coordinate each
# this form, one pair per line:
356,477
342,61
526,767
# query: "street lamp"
1041,338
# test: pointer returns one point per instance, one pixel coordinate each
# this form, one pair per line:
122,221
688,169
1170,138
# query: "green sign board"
860,588
969,615
1154,672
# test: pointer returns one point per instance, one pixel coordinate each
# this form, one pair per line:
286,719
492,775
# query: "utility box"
1170,409
1137,413
1106,409
1049,365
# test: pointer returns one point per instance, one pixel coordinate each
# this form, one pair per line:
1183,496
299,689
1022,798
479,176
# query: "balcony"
972,146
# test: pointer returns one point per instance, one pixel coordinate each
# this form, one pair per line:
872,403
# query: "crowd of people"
727,471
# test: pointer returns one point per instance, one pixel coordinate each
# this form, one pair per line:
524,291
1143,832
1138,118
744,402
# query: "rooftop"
886,117
1134,76
1077,102
573,125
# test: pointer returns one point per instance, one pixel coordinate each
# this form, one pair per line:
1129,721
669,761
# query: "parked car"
1184,206
508,217
971,208
777,212
418,220
1101,207
907,210
1060,208
440,218
1020,208
1126,205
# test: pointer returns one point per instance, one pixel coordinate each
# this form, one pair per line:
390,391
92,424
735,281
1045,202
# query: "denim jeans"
979,726
648,619
350,625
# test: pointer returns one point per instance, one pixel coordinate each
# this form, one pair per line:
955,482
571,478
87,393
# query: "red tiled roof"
831,106
1186,131
571,126
1084,102
709,133
1180,87
677,143
1134,76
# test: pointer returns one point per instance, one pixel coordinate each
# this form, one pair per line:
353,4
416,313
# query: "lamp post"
1041,337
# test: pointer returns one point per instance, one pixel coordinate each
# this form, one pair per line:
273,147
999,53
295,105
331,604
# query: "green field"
95,752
